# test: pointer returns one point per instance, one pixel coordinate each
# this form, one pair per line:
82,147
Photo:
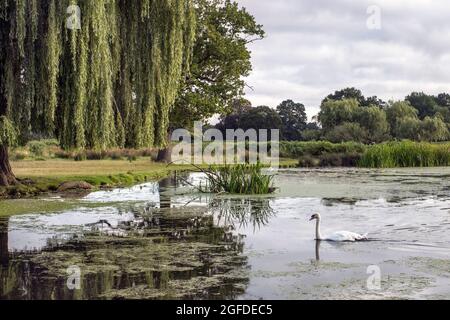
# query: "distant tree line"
347,115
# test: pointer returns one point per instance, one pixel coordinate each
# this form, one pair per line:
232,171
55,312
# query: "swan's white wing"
342,236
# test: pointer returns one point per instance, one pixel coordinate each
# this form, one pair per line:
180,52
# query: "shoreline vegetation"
393,154
39,177
42,167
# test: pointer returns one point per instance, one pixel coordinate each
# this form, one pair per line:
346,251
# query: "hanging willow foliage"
110,83
8,133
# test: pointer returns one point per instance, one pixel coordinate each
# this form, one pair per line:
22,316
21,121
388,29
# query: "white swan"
340,236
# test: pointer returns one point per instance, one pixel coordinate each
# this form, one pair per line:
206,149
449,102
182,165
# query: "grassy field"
68,168
91,168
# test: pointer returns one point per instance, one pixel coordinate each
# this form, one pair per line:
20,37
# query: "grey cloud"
316,47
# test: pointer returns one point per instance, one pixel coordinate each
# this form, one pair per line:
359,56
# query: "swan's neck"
318,234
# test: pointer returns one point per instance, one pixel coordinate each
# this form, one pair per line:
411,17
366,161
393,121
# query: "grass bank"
41,176
46,176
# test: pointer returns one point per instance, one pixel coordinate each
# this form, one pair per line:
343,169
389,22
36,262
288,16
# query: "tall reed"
406,154
239,179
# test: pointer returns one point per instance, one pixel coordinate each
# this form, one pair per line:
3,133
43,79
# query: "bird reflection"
318,251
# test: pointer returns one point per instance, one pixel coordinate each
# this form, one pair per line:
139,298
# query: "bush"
350,159
61,154
37,147
115,154
308,162
80,156
318,148
19,155
331,160
95,155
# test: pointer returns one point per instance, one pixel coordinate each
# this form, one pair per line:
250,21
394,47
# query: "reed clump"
406,154
239,179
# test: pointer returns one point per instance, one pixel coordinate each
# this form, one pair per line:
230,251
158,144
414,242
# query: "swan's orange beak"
312,218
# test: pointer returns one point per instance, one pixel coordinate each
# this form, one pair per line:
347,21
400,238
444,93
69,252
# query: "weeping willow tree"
107,81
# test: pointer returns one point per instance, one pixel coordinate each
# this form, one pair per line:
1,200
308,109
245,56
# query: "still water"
167,241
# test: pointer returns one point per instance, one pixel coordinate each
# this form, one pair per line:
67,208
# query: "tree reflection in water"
159,253
4,256
155,251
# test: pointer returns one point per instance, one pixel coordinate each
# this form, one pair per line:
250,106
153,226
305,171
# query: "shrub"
19,155
331,160
318,148
95,155
115,154
80,156
61,154
37,147
308,162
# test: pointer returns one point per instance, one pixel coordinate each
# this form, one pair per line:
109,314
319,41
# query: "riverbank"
393,154
39,177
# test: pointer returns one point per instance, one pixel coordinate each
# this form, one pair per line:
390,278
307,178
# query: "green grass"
239,179
46,176
406,154
393,154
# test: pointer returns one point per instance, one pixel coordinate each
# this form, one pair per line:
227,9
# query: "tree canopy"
356,94
108,83
425,104
294,119
261,117
221,60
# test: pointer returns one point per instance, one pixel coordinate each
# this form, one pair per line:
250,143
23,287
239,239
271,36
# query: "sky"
387,48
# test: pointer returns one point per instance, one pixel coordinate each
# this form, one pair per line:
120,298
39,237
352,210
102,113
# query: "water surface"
166,241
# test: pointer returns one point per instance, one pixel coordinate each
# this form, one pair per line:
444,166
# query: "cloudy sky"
314,47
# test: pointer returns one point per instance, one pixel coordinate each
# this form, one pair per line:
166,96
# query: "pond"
165,240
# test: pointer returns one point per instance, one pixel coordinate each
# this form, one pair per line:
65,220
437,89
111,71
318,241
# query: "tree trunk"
165,197
6,175
165,155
